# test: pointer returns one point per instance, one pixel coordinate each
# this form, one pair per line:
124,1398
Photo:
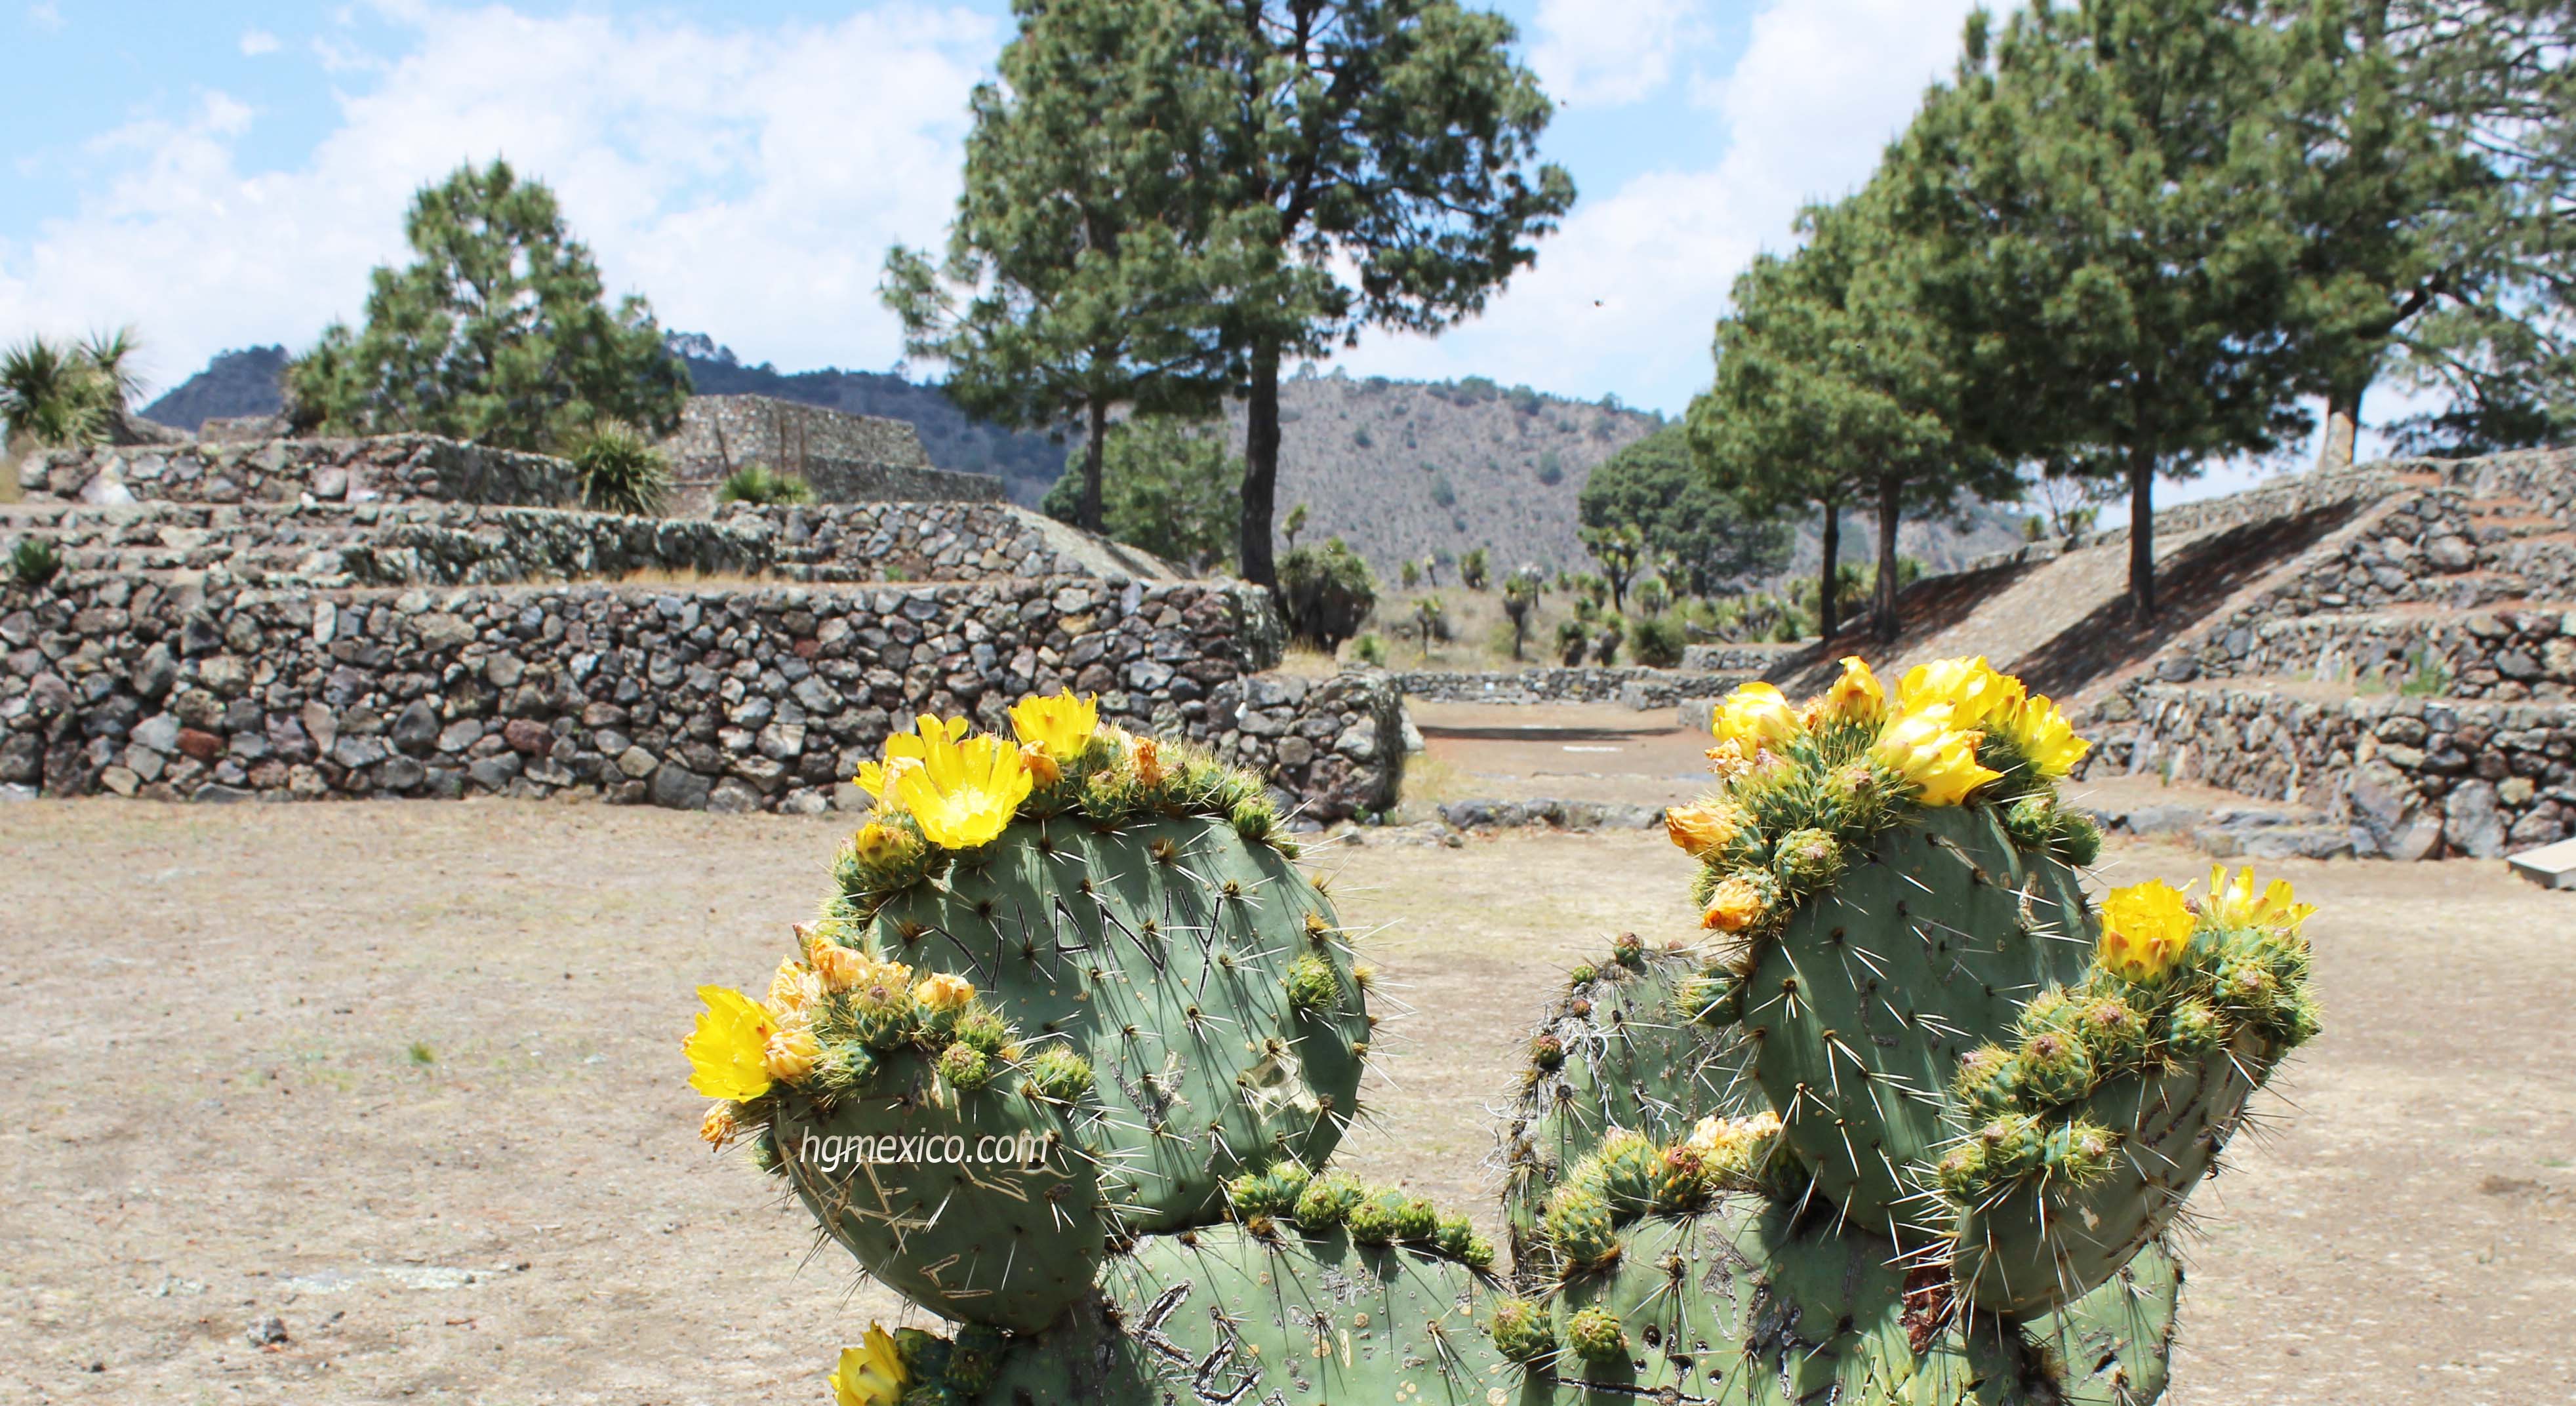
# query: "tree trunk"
1890,510
1261,465
2343,425
2142,535
1825,593
1088,515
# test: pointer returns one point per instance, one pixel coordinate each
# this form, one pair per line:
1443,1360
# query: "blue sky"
225,174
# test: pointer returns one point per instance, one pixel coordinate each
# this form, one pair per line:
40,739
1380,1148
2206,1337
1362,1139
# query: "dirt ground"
406,1077
1567,751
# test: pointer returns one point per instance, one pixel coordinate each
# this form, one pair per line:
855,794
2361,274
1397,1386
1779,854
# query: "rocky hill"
240,382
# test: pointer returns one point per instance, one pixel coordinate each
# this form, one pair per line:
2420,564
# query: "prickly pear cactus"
1066,1054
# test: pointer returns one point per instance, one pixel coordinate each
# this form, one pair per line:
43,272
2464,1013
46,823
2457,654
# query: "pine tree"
498,333
2111,200
1087,248
1391,138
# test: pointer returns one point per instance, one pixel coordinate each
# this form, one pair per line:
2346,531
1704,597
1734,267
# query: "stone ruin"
412,617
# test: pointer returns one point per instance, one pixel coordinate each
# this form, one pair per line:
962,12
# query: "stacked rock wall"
389,468
2513,655
1635,685
2416,777
727,698
844,458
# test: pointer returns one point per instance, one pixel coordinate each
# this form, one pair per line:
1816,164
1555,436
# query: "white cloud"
46,15
747,180
1609,52
1625,296
255,42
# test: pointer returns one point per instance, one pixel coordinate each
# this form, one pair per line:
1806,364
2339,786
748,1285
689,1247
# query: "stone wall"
1741,659
2511,655
1636,686
845,458
2416,778
441,544
389,468
203,688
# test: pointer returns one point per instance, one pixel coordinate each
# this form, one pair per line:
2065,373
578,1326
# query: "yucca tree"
55,394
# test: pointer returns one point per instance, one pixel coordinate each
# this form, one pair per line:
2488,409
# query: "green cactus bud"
2195,1028
1807,860
925,1354
2079,839
1596,1336
1624,1170
1987,1081
1379,1218
2032,820
1313,985
974,1357
1453,1235
965,1068
1057,1073
1416,1223
2054,1067
1580,1227
2114,1034
1583,973
1682,1181
1327,1202
2054,1008
2079,1154
1523,1332
1477,1254
1548,1053
981,1028
2010,1147
1259,1194
2249,986
1628,950
1962,1171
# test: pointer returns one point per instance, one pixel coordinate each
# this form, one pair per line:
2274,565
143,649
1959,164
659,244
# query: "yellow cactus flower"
880,982
1754,718
1703,830
836,967
2236,904
792,991
1735,904
2145,929
871,1374
2040,732
791,1053
942,991
726,1050
1043,770
878,778
962,794
1970,688
1714,1136
904,750
1147,757
1925,748
1059,727
1727,761
719,1126
1856,697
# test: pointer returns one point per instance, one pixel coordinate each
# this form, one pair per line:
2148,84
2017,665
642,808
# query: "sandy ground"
1565,751
406,1077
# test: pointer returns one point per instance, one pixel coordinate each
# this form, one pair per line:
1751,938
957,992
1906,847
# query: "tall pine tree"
1090,242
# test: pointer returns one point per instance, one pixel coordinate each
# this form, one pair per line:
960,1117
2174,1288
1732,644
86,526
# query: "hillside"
234,383
1410,469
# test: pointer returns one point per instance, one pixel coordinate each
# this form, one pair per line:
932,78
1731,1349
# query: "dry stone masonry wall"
845,458
730,699
391,468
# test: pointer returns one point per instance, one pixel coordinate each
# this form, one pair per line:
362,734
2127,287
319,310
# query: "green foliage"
1475,569
34,561
1650,500
61,395
761,484
1571,640
1167,487
1656,641
1520,597
1369,649
1326,592
620,471
1410,573
498,332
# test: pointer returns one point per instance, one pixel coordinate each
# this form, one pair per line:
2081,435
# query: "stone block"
2550,866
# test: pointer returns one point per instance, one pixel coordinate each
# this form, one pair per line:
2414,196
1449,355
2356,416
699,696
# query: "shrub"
620,471
1571,640
1370,649
1411,574
1476,569
759,483
33,562
1326,591
1657,641
1605,646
